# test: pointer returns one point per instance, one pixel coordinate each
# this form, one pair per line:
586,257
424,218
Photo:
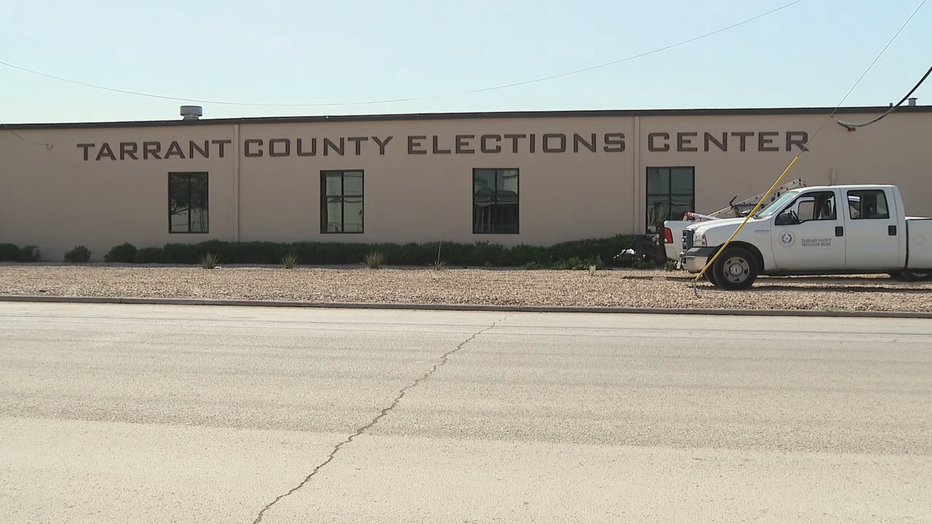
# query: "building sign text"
460,144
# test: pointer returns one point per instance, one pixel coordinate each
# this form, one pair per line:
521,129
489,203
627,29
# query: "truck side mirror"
784,219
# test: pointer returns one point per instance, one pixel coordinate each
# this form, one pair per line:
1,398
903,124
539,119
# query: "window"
187,203
495,201
815,206
341,202
671,192
868,204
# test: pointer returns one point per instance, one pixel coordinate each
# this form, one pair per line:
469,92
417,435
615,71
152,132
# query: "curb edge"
467,307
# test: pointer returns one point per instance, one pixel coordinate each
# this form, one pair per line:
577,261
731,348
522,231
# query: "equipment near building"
643,248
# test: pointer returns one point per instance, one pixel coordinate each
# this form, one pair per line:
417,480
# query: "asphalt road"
155,414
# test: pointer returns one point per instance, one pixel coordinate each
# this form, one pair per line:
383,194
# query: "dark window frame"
190,190
669,194
324,222
495,203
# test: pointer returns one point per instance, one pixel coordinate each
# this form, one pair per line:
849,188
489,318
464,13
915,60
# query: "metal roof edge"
398,117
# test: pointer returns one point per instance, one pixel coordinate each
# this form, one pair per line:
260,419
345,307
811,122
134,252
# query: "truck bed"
919,254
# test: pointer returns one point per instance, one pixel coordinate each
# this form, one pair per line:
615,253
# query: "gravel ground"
514,287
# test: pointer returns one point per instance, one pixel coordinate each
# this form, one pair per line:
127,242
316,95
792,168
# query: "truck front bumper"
696,258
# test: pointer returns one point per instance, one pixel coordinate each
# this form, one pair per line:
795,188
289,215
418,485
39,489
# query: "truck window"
775,205
814,206
805,209
868,204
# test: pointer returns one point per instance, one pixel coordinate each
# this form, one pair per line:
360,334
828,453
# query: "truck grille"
687,240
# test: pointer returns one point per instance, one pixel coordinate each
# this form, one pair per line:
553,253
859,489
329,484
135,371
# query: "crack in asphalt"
374,421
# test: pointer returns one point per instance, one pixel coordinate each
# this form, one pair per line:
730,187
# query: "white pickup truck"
807,232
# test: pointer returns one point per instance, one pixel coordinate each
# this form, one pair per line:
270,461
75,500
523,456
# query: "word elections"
437,145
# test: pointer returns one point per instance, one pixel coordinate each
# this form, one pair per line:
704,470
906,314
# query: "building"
510,178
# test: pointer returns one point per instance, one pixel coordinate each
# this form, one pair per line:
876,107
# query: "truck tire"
710,276
735,268
914,275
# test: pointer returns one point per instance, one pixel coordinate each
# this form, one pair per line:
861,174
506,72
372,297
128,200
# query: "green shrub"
589,248
149,255
181,254
124,253
14,253
78,254
568,255
29,254
9,253
570,263
644,264
578,263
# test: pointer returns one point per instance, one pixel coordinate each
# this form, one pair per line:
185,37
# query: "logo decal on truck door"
787,239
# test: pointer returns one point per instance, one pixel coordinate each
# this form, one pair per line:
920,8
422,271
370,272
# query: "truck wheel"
912,275
710,276
736,268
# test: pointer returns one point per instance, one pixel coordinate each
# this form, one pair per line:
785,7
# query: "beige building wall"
412,197
261,188
54,199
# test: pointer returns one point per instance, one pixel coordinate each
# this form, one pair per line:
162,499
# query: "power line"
887,112
411,99
882,51
17,135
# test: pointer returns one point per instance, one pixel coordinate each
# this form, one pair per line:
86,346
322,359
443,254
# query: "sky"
285,54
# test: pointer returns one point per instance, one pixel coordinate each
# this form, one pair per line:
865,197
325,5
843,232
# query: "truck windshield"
775,205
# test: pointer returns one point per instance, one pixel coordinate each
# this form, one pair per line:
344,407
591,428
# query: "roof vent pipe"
911,101
191,112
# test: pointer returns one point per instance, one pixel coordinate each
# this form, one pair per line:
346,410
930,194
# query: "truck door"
810,233
874,239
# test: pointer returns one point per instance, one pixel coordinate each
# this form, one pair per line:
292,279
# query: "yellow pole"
752,213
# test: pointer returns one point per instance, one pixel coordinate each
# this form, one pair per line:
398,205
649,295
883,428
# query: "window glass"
334,214
806,209
341,209
509,181
495,201
334,184
670,194
187,203
658,210
868,204
681,181
352,184
658,180
775,206
824,206
815,206
352,215
484,179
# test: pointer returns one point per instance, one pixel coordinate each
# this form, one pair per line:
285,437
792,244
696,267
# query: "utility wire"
892,108
411,99
882,51
17,135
